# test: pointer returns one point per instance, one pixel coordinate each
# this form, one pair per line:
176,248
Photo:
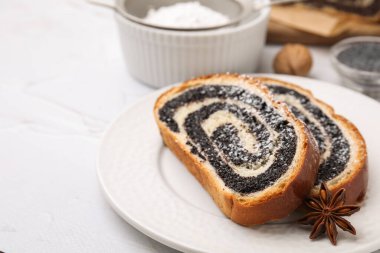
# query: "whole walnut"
293,59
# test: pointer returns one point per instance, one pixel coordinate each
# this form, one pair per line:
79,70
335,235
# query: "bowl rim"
262,16
119,7
336,48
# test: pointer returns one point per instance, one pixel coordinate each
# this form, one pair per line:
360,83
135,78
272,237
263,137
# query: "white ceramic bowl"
160,57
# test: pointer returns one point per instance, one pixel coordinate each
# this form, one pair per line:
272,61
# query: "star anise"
327,212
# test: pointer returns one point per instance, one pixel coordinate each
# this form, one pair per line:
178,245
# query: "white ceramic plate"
154,192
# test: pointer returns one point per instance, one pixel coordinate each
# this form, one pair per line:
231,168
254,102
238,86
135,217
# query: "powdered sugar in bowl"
186,15
159,57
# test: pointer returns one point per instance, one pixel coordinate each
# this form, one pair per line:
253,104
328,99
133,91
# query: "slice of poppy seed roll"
255,159
343,155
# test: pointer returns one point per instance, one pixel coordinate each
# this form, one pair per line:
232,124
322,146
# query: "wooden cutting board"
300,24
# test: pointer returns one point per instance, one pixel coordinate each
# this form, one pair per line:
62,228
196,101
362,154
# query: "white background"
62,80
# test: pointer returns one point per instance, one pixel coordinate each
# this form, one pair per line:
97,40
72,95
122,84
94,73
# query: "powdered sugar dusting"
186,15
216,131
333,145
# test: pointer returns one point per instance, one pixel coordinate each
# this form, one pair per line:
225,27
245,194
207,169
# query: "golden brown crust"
244,210
356,183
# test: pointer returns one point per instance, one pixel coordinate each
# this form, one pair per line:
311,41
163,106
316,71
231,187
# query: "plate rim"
105,191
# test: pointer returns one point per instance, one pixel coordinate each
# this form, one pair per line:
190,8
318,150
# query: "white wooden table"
62,80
